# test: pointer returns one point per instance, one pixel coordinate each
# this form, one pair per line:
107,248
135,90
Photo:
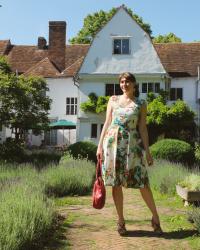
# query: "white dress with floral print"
123,162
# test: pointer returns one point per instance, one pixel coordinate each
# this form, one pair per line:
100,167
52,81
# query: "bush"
83,149
194,217
10,151
72,177
41,158
165,175
173,150
26,216
197,153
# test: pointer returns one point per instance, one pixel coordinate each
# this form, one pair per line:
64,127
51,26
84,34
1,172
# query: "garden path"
86,228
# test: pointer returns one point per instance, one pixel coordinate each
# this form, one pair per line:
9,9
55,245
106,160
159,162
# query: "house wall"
97,85
189,86
142,59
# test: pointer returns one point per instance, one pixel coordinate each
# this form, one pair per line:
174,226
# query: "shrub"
194,217
74,177
197,153
83,149
26,216
173,150
10,151
41,158
165,175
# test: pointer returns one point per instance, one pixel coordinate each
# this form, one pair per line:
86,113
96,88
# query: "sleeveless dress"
123,162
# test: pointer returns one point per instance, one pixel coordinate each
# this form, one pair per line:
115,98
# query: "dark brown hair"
130,77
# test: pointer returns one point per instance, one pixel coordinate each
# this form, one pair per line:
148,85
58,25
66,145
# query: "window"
93,130
71,106
157,87
176,93
121,46
113,89
150,87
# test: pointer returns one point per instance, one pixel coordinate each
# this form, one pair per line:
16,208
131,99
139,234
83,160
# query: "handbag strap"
99,168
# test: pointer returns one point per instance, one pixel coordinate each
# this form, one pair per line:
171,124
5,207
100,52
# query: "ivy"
95,104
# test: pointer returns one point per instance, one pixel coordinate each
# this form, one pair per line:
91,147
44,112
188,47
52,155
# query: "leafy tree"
4,66
168,38
23,104
94,22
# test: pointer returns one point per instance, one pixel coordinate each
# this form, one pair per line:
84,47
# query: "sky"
23,21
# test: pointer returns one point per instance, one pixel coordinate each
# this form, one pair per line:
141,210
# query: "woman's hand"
99,153
149,158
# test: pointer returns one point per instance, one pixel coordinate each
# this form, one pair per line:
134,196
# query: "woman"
120,151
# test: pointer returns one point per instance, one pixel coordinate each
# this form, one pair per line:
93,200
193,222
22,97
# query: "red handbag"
99,191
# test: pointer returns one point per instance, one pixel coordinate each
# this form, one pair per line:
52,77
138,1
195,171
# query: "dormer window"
121,46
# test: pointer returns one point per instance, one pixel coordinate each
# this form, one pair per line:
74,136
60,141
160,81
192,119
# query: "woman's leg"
118,200
149,200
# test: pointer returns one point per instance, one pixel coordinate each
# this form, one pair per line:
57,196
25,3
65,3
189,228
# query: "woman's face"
127,86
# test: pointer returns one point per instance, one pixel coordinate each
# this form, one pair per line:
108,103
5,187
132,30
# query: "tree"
94,22
172,121
168,38
23,104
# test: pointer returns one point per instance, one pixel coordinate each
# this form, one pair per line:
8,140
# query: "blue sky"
23,21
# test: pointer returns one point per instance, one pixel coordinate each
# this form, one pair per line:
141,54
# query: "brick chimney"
42,43
57,42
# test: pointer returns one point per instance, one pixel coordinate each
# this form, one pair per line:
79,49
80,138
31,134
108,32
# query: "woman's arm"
106,124
144,133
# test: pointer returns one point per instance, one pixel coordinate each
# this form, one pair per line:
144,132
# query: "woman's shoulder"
114,98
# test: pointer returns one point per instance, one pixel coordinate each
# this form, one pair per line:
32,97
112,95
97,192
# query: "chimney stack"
42,43
57,43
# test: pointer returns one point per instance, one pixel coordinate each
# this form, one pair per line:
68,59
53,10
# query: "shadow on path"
181,234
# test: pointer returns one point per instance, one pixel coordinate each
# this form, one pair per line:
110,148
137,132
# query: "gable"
142,59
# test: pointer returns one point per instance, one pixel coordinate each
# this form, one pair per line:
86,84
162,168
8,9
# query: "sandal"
121,229
156,227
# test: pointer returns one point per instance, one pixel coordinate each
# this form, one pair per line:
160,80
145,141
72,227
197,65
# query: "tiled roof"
179,59
22,58
30,59
44,67
4,44
73,68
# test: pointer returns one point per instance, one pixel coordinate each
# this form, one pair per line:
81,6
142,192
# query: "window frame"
175,94
121,45
147,87
92,134
71,106
115,91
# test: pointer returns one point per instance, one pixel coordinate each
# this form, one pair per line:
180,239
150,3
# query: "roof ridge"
80,58
40,62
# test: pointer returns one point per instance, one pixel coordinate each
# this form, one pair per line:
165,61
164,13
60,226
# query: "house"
122,45
57,63
74,71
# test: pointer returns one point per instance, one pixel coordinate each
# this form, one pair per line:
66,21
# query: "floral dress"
123,162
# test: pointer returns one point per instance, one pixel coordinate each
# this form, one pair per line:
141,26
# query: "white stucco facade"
101,66
59,90
142,58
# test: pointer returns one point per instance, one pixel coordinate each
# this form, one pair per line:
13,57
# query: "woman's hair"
130,77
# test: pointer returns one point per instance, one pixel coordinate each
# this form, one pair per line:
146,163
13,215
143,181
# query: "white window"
113,89
71,105
121,46
150,87
176,93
